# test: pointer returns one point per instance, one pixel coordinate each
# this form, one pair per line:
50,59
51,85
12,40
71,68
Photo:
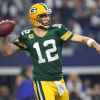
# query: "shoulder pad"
57,25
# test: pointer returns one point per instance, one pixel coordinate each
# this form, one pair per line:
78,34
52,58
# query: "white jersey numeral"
51,50
51,53
37,47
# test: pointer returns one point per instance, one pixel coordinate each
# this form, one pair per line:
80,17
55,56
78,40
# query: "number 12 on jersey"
48,52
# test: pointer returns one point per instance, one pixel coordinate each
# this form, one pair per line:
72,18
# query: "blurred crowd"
21,88
80,16
82,89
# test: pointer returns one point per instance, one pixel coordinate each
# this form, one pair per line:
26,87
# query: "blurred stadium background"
81,65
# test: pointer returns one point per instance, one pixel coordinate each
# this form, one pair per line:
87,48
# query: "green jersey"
45,51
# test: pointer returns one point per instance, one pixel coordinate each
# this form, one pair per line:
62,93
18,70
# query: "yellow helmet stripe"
46,7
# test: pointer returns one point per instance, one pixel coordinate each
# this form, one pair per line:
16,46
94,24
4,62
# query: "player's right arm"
11,47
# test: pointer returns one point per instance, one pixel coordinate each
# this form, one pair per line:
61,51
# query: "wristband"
90,42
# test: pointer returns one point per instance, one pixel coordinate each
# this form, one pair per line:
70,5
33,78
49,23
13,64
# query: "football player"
44,43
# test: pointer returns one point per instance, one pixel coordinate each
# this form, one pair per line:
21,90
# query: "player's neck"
40,32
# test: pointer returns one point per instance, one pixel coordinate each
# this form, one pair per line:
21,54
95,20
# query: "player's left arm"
86,40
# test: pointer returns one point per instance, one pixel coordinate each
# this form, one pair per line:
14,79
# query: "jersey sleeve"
20,41
64,33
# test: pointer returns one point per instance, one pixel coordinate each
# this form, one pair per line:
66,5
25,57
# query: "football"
6,27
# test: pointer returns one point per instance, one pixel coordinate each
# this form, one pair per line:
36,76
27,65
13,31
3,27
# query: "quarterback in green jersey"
44,43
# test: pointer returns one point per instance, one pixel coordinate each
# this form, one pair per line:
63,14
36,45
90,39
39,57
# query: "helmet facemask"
44,20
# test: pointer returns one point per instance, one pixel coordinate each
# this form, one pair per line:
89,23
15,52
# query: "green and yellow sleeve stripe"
67,36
